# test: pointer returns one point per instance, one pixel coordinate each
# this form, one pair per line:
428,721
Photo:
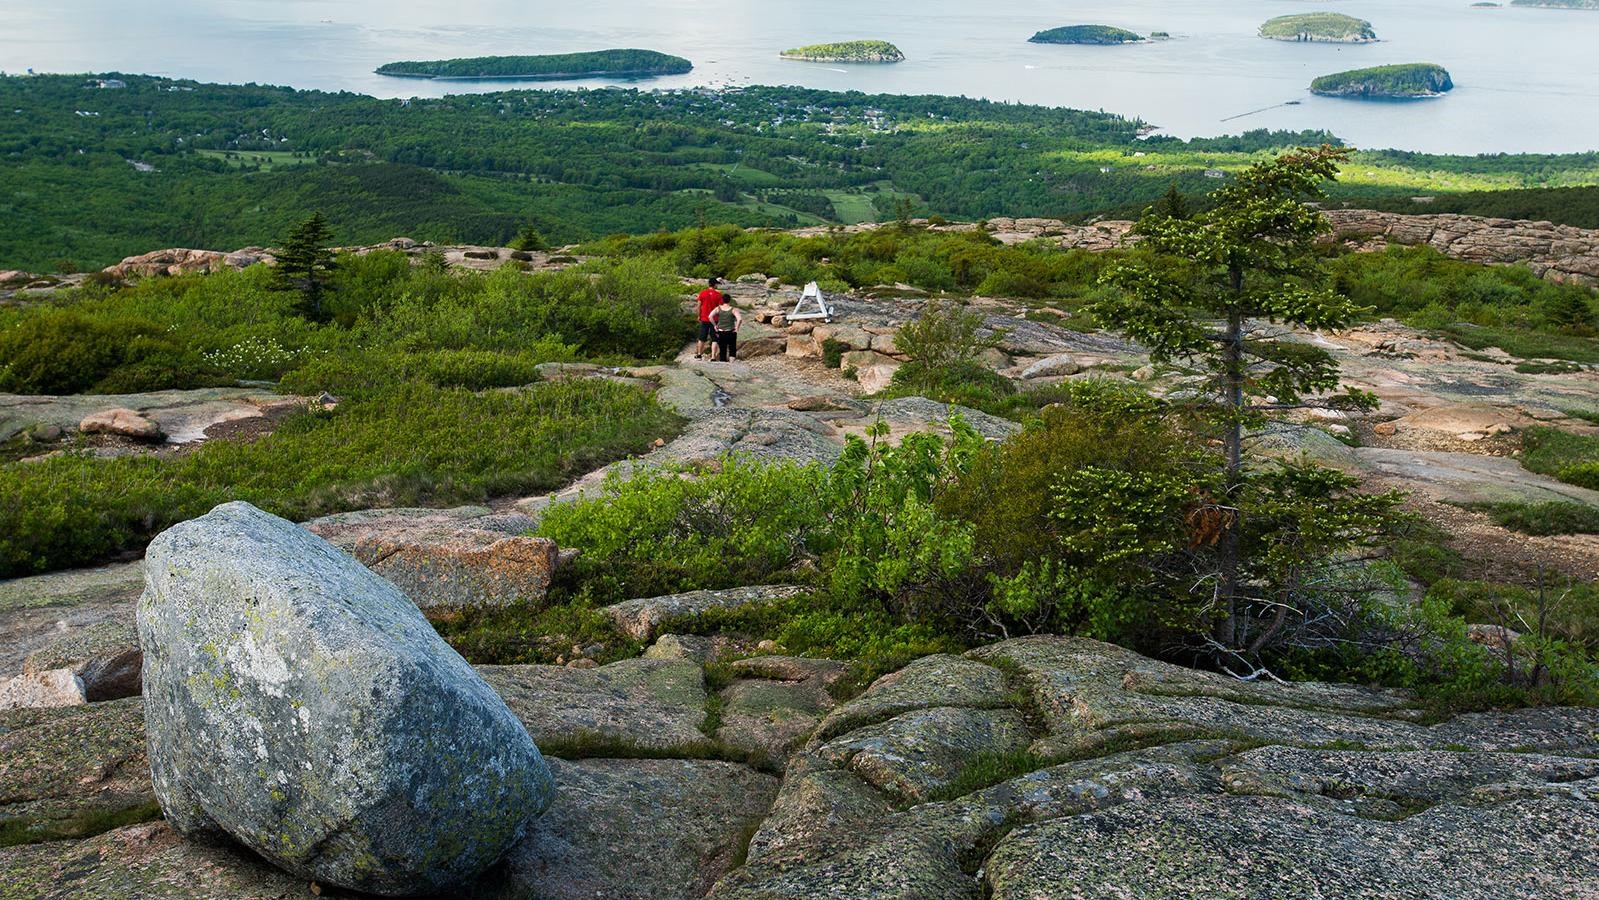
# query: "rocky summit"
303,706
1036,767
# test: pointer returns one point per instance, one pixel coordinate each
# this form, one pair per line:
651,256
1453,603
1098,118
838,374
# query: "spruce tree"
305,264
1211,295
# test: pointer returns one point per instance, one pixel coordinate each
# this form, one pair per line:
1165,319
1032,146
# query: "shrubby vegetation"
413,354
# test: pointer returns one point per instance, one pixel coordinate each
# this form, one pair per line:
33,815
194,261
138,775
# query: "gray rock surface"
42,610
632,705
181,415
641,618
302,705
104,656
645,829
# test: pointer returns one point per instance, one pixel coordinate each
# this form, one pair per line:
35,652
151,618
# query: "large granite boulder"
301,704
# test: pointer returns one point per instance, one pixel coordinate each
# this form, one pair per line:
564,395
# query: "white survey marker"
811,305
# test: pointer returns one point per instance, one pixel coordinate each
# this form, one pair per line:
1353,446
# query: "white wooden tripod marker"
811,305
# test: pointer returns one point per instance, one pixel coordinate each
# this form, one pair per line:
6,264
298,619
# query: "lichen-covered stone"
642,618
914,754
636,829
61,767
301,704
634,703
144,861
1265,847
771,717
938,680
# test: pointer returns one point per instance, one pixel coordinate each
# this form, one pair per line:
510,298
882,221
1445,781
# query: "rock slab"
302,705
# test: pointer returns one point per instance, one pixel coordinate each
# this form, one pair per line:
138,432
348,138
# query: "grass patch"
1547,368
1553,517
522,634
16,832
988,769
1572,458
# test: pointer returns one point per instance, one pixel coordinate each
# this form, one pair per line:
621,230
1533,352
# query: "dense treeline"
620,63
90,175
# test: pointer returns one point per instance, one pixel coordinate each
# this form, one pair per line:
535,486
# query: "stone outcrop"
181,416
640,619
448,559
122,422
1038,767
1555,252
171,261
1228,787
105,657
301,705
36,690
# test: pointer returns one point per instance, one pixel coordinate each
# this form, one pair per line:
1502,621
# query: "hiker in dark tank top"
726,318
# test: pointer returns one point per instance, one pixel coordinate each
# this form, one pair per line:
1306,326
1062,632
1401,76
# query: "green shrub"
833,353
409,445
66,351
660,532
1553,517
1572,458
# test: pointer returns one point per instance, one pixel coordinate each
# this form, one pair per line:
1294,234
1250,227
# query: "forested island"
847,52
1402,81
549,67
1323,27
1086,34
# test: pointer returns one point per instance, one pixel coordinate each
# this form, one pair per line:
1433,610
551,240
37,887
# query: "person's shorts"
706,330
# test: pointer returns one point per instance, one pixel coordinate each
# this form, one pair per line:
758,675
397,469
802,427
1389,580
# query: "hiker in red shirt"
710,299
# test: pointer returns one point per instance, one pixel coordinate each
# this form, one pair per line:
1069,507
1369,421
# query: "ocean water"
1527,79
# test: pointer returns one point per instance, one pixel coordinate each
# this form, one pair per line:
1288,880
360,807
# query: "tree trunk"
1229,548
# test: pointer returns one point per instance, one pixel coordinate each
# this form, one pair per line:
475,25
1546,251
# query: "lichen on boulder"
300,704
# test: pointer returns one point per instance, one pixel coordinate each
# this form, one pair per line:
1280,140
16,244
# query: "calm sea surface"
1528,79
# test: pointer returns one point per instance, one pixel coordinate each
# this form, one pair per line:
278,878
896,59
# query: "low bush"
1572,458
410,445
1553,517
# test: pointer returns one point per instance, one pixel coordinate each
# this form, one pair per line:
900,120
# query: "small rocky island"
549,67
1404,81
847,52
1086,34
1319,27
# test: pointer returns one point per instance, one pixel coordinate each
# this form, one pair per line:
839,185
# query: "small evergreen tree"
1172,204
529,238
1210,294
305,264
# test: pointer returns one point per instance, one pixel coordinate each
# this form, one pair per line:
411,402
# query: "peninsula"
1558,4
847,52
550,67
1403,81
1319,27
1086,34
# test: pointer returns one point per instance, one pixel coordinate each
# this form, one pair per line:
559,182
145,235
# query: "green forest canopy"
1085,34
618,63
226,166
1401,80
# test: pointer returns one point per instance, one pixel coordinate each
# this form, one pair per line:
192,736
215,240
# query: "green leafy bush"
412,444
